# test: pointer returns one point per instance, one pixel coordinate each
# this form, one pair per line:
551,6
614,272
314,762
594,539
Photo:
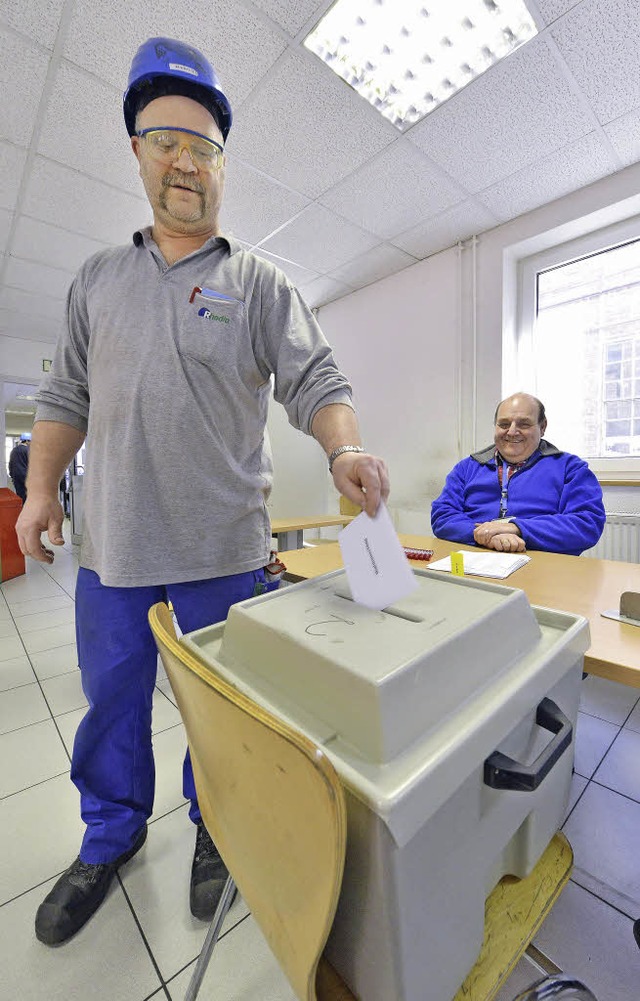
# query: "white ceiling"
316,179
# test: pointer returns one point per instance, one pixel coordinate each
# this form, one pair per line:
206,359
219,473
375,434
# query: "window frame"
528,268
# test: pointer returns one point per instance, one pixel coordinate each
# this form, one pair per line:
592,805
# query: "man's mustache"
175,180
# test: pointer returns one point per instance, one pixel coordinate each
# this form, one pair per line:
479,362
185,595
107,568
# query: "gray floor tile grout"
33,785
616,791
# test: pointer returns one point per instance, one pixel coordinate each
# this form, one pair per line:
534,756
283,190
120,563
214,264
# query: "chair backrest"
272,802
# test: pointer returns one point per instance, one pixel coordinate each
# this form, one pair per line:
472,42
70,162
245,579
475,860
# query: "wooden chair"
274,805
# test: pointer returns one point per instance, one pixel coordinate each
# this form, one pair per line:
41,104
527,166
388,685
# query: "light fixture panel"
406,56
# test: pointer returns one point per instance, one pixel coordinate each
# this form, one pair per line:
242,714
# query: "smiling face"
185,197
517,431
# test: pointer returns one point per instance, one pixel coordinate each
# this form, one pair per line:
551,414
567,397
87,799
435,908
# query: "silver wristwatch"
341,450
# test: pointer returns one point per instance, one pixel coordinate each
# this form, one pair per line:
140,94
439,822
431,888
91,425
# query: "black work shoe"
77,895
208,876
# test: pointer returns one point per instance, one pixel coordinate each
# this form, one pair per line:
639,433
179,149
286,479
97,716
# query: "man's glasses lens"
167,145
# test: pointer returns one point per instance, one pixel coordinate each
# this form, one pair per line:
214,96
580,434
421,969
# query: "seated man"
521,492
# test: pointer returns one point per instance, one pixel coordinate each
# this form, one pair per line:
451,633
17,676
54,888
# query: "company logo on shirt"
206,314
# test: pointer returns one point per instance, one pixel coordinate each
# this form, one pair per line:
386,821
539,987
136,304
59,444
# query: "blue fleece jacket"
554,499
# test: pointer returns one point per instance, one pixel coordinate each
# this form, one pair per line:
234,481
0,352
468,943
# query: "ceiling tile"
319,240
292,15
296,275
254,204
307,128
567,170
323,290
59,195
23,69
239,45
83,127
6,218
38,241
551,10
377,263
396,189
12,160
28,326
31,304
27,275
445,230
600,44
518,111
624,134
37,18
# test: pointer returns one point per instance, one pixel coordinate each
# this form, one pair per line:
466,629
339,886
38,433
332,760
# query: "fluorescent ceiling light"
406,56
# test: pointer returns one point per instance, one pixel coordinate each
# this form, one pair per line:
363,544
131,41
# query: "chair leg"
560,986
212,937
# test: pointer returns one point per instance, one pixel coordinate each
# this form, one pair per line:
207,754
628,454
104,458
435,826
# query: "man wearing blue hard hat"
165,363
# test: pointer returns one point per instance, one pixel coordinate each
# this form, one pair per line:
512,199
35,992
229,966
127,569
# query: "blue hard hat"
25,437
165,66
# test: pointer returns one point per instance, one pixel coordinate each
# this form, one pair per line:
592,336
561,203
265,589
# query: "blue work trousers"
112,764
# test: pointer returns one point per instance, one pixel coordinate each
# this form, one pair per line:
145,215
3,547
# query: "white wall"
425,355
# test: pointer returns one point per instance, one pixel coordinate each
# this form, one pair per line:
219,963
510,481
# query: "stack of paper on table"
486,564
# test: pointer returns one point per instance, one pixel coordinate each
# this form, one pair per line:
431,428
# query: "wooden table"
289,531
569,583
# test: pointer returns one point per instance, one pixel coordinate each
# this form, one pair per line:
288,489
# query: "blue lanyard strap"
504,486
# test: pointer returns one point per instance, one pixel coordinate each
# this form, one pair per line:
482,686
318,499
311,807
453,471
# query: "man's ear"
543,428
135,146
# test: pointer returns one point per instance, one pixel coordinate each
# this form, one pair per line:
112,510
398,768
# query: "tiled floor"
142,943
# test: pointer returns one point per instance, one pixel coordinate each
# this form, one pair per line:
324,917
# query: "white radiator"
620,539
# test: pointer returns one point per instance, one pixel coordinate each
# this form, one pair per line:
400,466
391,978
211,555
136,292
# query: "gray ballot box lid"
379,680
406,701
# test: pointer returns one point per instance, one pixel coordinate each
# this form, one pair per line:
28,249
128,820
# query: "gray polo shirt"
168,371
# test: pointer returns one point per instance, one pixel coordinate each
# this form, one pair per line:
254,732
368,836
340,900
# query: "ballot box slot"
398,612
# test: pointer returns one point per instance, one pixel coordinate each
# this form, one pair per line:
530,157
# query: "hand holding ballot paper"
377,568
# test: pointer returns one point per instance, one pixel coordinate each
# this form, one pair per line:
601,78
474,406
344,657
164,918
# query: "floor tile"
592,941
242,967
10,648
7,630
22,706
30,755
165,687
169,748
64,693
35,584
524,974
34,605
578,785
607,699
620,769
633,723
67,724
165,714
15,672
106,961
60,660
41,835
603,831
32,621
47,639
593,739
161,887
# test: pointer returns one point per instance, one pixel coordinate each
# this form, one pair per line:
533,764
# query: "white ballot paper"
377,568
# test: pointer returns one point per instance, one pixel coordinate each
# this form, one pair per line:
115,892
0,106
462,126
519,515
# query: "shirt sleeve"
448,518
295,351
580,519
63,395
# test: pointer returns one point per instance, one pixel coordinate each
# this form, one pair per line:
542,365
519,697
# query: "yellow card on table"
457,564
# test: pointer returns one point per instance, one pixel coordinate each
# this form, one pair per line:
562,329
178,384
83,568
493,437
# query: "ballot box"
450,718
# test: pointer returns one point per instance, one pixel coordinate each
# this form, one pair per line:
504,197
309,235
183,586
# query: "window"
578,346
